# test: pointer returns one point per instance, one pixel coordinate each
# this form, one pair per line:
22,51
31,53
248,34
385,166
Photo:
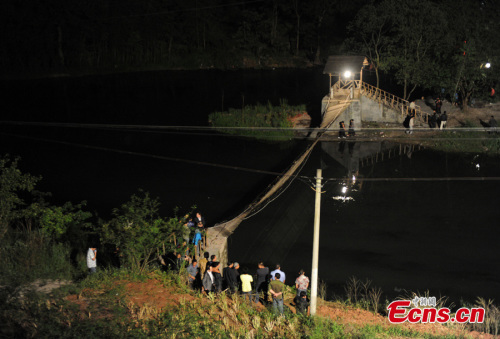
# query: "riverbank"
247,63
466,131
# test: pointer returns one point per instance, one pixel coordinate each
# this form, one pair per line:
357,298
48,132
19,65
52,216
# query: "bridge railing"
377,94
343,100
344,84
392,101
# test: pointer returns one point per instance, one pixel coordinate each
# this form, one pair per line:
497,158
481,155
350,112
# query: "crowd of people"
193,231
206,275
436,120
263,286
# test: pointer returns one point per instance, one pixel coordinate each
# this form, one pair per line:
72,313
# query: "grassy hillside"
118,304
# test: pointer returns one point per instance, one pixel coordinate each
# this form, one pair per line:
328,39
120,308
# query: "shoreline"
293,64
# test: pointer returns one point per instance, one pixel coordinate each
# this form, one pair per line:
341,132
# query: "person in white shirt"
92,260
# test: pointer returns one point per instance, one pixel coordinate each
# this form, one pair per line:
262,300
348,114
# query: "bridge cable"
257,171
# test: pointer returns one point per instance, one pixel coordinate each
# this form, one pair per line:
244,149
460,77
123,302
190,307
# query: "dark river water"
440,236
432,235
73,169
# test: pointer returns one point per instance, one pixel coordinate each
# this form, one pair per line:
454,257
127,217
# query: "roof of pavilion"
338,64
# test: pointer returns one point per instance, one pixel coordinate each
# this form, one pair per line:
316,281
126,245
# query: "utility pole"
314,273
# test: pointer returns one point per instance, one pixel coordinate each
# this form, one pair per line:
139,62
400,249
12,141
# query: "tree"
417,33
297,12
139,232
319,10
55,221
12,183
370,31
475,37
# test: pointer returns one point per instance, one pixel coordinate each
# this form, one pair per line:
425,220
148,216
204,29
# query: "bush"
259,121
139,232
30,255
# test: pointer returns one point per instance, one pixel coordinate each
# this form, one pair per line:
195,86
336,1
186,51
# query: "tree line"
60,35
448,44
422,43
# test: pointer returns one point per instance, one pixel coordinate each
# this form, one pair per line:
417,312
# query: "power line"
253,170
154,156
213,131
181,127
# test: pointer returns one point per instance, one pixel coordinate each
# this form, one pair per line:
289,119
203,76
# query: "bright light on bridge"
347,74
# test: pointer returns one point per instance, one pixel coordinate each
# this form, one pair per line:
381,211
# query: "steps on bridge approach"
336,105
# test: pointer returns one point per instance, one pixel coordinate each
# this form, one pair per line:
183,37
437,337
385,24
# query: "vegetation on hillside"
118,303
43,241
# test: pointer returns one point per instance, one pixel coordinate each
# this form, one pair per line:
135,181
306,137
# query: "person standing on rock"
412,107
406,123
438,104
433,120
443,118
412,122
92,260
